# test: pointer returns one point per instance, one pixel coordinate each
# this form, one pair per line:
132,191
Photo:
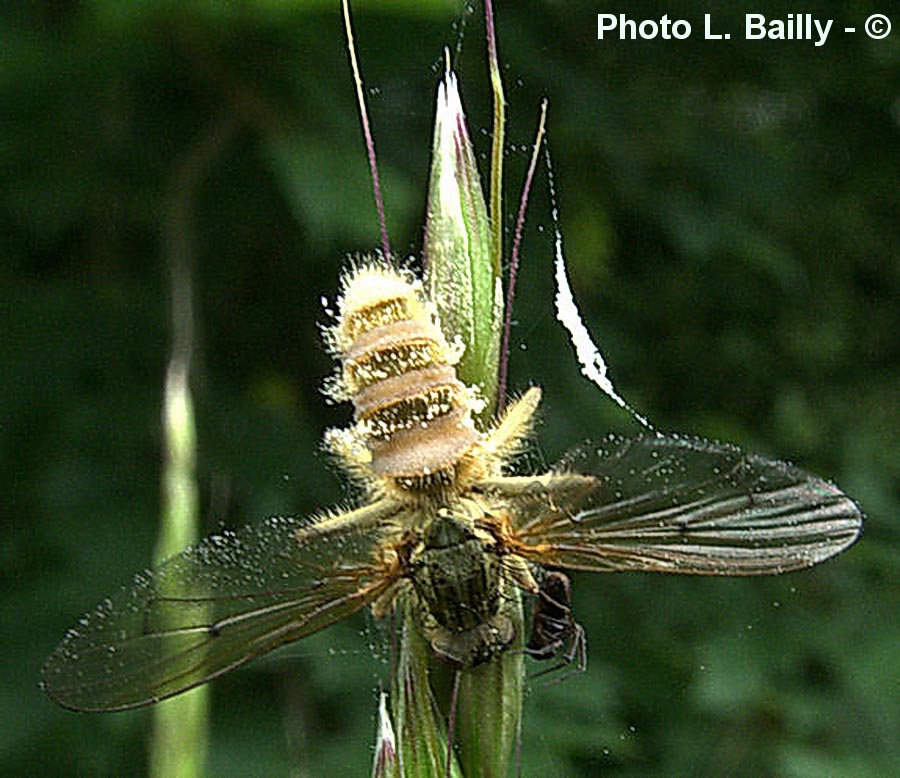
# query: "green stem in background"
180,725
178,746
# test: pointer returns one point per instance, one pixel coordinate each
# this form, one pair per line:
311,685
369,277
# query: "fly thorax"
412,413
456,576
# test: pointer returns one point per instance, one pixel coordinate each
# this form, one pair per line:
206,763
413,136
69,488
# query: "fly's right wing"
681,505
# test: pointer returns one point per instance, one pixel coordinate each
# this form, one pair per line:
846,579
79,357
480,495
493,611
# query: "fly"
444,522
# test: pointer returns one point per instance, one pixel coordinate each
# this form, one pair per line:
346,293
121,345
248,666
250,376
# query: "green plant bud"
462,274
385,764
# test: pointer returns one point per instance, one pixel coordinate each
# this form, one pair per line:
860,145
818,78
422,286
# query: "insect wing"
685,505
211,608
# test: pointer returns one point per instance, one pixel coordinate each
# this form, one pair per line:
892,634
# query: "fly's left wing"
681,505
214,607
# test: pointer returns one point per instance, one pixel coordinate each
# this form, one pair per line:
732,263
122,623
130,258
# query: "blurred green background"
732,223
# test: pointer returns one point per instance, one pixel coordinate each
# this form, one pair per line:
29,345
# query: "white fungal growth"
586,351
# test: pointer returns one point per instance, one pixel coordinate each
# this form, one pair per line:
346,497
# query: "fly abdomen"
412,413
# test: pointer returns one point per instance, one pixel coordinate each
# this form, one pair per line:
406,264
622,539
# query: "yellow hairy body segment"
412,414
